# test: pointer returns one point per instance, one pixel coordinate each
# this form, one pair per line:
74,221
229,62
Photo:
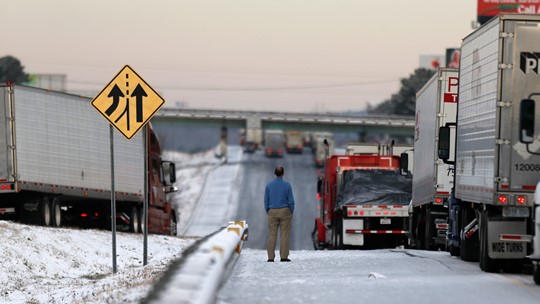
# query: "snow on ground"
49,265
191,172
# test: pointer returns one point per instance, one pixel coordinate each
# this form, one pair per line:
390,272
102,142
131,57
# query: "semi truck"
274,142
495,172
252,140
55,165
436,106
294,142
319,153
363,202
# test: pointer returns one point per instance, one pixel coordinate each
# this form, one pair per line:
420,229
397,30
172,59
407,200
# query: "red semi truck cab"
363,202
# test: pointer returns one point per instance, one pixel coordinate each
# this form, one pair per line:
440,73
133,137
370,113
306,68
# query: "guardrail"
198,275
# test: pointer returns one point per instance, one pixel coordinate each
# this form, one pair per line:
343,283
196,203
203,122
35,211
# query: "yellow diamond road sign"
128,102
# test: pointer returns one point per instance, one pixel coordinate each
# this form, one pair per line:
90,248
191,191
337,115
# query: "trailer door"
6,156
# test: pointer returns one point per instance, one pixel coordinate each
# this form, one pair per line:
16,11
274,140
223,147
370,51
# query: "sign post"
128,103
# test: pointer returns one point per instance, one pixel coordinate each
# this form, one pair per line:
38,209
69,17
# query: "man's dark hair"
279,171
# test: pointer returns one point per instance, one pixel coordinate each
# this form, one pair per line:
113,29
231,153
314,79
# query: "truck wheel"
429,230
487,264
46,219
134,222
56,213
337,237
420,230
172,227
454,251
469,250
315,238
141,220
536,274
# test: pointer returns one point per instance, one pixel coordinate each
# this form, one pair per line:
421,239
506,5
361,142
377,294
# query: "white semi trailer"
495,173
436,106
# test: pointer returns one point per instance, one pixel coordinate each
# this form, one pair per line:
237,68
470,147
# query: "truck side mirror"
404,163
319,186
444,143
526,121
169,173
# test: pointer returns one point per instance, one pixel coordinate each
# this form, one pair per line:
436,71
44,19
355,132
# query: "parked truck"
252,140
294,142
319,153
363,202
274,142
55,166
495,174
436,106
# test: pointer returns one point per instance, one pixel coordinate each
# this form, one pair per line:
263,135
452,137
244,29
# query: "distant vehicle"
274,141
363,202
294,142
252,140
55,165
436,106
319,152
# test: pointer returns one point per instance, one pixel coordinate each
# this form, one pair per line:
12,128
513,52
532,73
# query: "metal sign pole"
146,179
113,202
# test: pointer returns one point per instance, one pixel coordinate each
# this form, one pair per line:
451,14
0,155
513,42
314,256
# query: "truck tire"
429,230
420,230
315,238
141,222
487,264
45,212
56,213
536,274
454,251
469,247
172,225
134,221
337,237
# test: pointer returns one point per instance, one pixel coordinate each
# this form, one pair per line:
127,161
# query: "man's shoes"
285,260
270,260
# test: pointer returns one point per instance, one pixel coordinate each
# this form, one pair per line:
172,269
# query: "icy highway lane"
371,276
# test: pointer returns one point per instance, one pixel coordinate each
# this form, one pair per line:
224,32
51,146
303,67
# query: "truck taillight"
502,199
521,200
438,200
5,187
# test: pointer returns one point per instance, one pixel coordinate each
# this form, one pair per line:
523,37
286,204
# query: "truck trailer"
55,165
436,106
495,173
363,202
274,143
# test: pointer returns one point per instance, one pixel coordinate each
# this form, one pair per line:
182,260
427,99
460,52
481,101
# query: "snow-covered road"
371,276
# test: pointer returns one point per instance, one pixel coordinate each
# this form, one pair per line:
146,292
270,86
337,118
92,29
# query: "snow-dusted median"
51,265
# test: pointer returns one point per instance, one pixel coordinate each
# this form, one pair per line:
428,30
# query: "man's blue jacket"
278,194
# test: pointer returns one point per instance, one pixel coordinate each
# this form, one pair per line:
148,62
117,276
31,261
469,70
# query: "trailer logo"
128,102
451,91
529,62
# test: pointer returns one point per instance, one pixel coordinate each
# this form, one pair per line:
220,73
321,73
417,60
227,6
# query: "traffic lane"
257,171
371,276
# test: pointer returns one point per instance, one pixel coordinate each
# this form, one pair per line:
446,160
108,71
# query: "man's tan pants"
281,218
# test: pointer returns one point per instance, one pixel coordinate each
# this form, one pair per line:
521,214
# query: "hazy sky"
283,55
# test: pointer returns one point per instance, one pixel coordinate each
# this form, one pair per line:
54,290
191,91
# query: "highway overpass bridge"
392,126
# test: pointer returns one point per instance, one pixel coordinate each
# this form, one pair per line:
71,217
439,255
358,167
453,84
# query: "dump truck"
55,165
363,202
496,173
436,106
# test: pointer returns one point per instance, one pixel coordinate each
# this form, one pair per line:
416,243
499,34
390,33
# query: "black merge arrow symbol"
139,93
115,93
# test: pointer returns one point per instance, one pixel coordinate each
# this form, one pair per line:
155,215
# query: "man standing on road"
279,205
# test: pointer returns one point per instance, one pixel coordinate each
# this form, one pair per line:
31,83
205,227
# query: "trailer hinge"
440,114
506,35
506,66
504,104
501,179
502,142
